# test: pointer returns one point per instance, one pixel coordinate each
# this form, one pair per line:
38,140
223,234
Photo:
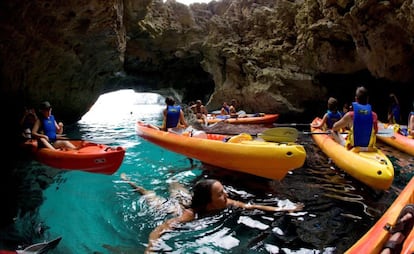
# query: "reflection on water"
101,214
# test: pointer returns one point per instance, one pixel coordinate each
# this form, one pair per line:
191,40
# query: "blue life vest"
332,118
173,116
363,125
227,109
49,128
409,116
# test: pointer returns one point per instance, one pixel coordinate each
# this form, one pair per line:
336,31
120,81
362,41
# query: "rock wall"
264,53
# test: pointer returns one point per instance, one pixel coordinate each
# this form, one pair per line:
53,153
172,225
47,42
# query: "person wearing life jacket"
331,116
225,109
173,116
410,125
363,120
394,116
46,130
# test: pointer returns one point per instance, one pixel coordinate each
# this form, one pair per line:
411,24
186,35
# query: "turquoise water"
101,214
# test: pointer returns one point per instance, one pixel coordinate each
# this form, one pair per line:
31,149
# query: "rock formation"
272,56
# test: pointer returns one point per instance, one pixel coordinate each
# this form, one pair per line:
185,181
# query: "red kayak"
90,157
244,119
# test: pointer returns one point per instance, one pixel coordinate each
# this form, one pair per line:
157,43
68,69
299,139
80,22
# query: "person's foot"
124,177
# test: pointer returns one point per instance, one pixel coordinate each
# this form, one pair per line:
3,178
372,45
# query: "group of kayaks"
270,154
374,169
258,118
273,154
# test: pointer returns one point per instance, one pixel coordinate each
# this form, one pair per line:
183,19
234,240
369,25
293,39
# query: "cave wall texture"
280,56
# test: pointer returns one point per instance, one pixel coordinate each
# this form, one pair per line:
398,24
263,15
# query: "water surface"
101,214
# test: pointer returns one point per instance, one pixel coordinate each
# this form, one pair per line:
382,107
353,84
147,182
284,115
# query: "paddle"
288,134
103,141
382,133
291,124
279,134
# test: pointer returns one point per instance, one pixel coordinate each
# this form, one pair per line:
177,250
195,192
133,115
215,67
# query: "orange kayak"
248,119
373,240
91,157
265,159
372,168
401,142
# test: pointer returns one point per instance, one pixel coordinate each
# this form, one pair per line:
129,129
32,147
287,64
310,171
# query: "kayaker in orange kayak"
46,130
200,111
411,122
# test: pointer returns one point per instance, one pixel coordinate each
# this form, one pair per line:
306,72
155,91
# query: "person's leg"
45,144
64,144
400,231
137,188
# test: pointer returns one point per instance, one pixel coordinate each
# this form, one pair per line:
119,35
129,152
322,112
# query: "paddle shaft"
291,124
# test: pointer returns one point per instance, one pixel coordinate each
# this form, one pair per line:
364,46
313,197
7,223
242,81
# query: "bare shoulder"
187,215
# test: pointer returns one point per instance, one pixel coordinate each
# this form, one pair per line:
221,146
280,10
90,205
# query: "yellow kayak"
371,168
401,142
265,159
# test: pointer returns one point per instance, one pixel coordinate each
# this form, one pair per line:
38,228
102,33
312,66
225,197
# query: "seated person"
27,122
363,120
224,111
331,116
394,116
200,111
46,130
234,113
232,109
173,116
410,125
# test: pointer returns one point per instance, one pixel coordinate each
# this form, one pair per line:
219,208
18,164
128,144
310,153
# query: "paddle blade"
280,134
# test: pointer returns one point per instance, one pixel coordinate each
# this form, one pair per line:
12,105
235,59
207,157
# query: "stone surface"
268,55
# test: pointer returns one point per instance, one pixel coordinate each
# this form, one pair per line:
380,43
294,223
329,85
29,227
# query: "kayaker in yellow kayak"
411,122
394,116
363,120
331,116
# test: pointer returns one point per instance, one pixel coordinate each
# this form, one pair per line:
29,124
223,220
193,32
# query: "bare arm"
182,119
187,216
343,122
204,110
298,207
322,123
35,131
